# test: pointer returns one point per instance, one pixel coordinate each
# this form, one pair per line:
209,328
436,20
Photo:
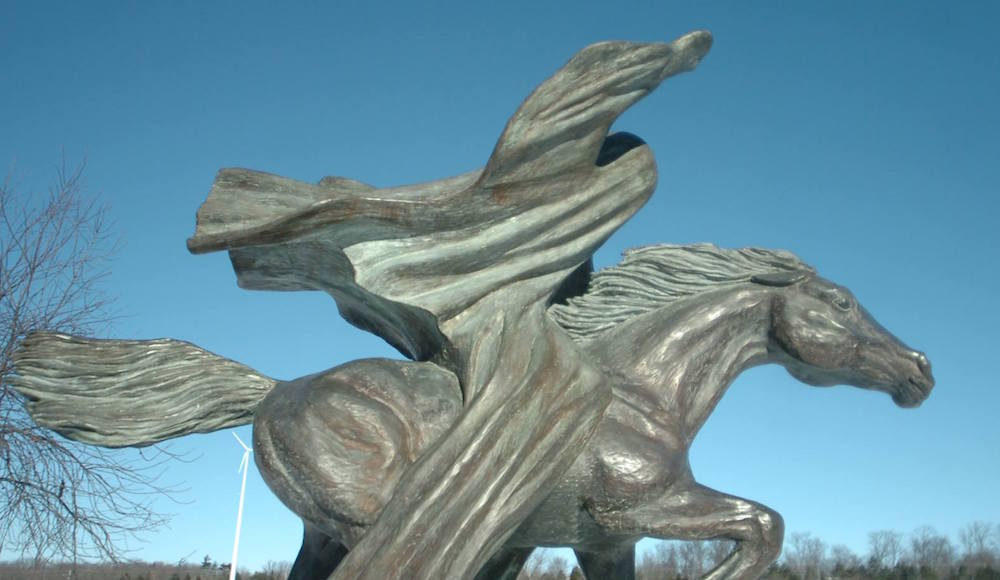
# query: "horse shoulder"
637,456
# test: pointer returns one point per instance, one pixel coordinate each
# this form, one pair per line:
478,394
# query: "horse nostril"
924,365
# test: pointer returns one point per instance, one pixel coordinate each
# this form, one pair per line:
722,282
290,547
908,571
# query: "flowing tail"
132,393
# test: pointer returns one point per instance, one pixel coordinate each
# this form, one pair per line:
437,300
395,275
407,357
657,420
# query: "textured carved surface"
459,272
699,317
90,390
333,446
519,427
402,260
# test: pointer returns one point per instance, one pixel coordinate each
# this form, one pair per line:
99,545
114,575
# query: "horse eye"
842,302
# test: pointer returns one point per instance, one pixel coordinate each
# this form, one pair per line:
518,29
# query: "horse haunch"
332,446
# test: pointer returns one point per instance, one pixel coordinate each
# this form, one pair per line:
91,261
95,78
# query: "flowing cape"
402,261
459,272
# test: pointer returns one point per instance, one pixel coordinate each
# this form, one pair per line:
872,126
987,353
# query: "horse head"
823,337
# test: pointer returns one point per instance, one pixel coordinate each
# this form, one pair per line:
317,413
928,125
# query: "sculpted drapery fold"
507,435
555,187
459,272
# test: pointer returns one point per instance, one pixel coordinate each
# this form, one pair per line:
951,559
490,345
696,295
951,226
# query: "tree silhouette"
59,498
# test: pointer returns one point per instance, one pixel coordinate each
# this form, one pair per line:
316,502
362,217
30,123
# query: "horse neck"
680,360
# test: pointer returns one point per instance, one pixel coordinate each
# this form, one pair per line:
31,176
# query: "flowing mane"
650,277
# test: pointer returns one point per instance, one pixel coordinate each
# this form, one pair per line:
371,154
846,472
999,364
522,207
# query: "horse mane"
651,277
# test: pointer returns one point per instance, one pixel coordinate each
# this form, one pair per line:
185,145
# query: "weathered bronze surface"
543,405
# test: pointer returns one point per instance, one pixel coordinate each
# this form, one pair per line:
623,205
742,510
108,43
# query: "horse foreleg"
615,563
701,513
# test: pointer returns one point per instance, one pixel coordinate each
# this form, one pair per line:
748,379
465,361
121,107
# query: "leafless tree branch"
60,499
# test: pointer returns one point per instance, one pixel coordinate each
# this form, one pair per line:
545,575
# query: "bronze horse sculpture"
671,327
552,407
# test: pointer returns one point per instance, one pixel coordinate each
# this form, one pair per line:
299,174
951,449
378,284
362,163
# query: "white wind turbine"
244,466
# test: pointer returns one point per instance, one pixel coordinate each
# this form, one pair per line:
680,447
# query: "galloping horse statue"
670,326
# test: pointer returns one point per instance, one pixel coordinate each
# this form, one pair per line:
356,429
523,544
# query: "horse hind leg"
615,563
319,556
332,446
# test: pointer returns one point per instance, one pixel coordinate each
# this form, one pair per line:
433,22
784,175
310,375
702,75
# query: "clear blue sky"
863,136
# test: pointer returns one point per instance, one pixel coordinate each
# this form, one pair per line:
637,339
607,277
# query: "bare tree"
931,550
806,555
276,570
843,558
682,559
885,548
659,563
59,498
543,566
692,557
978,545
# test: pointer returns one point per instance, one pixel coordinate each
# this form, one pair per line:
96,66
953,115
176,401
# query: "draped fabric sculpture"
542,405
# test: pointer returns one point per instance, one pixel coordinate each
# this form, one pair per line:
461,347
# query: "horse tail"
132,393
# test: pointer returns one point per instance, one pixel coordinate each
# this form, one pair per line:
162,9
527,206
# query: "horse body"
668,330
669,367
668,371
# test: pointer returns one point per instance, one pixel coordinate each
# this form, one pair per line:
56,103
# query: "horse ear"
786,278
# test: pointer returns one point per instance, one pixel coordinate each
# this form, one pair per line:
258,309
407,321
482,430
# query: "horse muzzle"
918,383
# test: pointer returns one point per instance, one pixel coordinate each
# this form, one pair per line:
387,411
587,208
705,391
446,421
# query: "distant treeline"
207,570
923,554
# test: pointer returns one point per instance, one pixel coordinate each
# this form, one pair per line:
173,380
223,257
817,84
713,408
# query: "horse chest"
634,462
562,518
621,468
